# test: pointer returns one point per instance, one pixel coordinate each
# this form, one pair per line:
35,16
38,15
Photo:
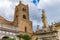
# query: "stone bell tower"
44,19
22,18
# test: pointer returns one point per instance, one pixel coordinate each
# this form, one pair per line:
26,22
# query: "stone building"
57,27
47,32
22,25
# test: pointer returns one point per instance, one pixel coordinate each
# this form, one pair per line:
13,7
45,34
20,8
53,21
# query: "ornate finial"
37,26
43,10
53,27
20,2
52,23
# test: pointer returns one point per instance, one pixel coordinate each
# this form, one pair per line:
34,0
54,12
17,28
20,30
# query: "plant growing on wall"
10,39
25,37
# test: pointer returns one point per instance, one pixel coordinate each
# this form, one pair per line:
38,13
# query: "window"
24,16
25,29
24,9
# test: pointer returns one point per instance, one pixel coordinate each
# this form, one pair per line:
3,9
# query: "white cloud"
8,8
52,8
45,3
5,3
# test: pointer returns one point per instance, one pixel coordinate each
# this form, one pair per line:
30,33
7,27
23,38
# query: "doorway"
5,37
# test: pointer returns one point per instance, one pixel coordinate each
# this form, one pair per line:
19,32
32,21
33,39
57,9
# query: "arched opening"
5,37
24,9
24,16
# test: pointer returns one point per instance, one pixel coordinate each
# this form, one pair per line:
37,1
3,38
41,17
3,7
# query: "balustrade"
2,25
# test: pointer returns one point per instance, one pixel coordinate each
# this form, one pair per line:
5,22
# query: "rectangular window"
25,29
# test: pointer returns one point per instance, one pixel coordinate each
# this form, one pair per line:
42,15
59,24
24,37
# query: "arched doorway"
5,37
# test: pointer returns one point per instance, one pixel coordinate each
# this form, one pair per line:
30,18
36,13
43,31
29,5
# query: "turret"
37,30
44,19
53,27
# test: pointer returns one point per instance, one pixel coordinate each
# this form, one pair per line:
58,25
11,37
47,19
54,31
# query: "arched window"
24,9
24,16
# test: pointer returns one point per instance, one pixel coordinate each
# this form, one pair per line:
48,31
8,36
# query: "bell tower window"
24,9
24,16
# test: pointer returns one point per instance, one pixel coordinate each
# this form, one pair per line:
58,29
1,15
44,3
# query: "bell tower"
44,19
22,18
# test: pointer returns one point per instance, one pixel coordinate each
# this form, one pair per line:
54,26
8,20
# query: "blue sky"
52,8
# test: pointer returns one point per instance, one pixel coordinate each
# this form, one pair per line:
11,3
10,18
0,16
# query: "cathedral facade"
20,25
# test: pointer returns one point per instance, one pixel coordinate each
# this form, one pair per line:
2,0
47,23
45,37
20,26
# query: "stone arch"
24,16
5,37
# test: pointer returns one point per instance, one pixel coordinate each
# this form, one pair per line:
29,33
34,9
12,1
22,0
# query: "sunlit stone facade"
20,25
8,31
